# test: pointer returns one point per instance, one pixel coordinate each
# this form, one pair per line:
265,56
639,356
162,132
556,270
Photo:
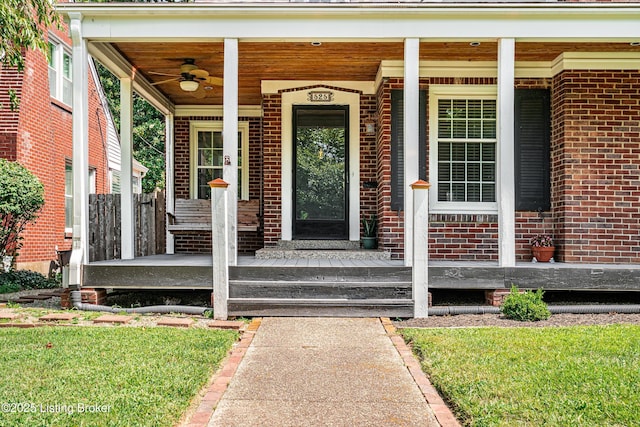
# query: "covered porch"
387,67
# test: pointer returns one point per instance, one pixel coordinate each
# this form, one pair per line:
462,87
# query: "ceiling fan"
192,79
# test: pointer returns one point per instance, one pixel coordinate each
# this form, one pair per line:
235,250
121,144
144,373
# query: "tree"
21,198
22,26
148,130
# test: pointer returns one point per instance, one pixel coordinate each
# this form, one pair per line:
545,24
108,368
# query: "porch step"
358,254
318,244
320,307
320,290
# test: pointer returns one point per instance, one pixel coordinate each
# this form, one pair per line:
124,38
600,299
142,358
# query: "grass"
137,376
572,376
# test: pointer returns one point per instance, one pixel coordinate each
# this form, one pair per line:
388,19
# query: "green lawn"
573,376
132,376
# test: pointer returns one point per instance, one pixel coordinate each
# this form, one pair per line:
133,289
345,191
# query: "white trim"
216,111
60,49
411,108
196,126
230,141
505,154
596,61
127,216
452,92
170,194
275,86
289,99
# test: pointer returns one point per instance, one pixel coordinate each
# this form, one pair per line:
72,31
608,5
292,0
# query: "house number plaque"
324,96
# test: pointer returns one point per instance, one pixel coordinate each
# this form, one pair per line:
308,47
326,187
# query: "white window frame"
437,92
68,192
216,126
58,52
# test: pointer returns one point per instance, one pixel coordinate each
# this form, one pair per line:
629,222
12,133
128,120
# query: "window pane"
66,65
475,129
473,152
489,109
475,109
205,157
218,157
444,192
458,192
217,139
459,129
488,152
444,172
457,152
444,129
489,172
460,108
67,91
52,55
473,172
457,172
444,109
488,193
444,151
204,140
473,192
68,197
489,129
53,75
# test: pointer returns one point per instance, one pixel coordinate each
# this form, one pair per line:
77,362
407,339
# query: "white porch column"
169,176
411,137
219,241
505,190
420,270
127,218
230,141
80,70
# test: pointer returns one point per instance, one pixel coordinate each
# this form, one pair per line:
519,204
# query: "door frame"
301,97
296,232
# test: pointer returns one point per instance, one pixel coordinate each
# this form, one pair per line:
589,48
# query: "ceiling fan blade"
199,73
163,74
199,94
165,81
217,81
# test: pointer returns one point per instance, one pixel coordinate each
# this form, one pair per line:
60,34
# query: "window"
207,158
60,86
68,193
463,139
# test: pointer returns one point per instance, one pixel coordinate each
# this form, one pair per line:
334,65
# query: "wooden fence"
104,225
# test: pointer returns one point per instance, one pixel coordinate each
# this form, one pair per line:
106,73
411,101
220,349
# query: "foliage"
541,241
564,376
148,130
370,226
526,306
320,162
144,376
22,24
18,280
21,197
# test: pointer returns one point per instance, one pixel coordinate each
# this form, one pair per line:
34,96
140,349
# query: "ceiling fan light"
189,85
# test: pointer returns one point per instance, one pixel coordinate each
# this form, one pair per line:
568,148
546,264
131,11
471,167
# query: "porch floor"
188,271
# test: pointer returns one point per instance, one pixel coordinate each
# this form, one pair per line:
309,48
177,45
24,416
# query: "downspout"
554,309
76,301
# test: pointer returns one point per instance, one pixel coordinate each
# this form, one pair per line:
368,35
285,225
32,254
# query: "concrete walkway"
322,372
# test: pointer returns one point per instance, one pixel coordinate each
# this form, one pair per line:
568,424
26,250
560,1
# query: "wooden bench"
195,215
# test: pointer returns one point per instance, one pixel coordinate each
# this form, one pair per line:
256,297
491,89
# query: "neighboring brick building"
38,135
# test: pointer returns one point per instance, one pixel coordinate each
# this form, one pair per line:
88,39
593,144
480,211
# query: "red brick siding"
195,242
39,136
272,164
595,169
368,160
463,237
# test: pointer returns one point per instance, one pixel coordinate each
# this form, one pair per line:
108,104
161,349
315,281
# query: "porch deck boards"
182,271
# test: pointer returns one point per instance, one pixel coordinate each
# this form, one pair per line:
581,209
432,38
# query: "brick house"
38,135
524,118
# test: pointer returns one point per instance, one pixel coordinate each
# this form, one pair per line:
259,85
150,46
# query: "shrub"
21,197
17,280
526,307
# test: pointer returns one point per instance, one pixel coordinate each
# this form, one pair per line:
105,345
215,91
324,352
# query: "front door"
321,146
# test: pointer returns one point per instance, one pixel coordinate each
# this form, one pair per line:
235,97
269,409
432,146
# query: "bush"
21,198
526,307
18,280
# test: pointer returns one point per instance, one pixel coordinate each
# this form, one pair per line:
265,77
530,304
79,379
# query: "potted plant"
542,247
370,236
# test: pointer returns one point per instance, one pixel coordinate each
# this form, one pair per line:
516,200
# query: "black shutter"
532,149
397,145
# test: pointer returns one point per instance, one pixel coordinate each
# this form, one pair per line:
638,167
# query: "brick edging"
440,409
202,415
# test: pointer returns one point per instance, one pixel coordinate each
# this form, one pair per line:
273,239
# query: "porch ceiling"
299,60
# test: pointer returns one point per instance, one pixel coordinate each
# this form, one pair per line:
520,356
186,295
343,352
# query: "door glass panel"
320,170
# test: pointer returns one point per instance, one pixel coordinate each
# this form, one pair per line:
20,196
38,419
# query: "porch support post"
169,176
411,137
219,251
230,141
80,70
505,153
420,270
126,155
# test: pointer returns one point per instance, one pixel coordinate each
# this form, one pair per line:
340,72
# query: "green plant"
525,306
11,304
208,314
370,226
21,197
25,279
6,288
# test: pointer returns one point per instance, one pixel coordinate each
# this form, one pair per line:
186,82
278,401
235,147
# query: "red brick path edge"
442,412
204,411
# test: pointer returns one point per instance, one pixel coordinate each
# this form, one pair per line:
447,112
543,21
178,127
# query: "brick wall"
368,160
272,164
39,136
248,242
595,168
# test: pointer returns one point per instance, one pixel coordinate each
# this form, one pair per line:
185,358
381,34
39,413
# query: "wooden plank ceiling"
357,61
